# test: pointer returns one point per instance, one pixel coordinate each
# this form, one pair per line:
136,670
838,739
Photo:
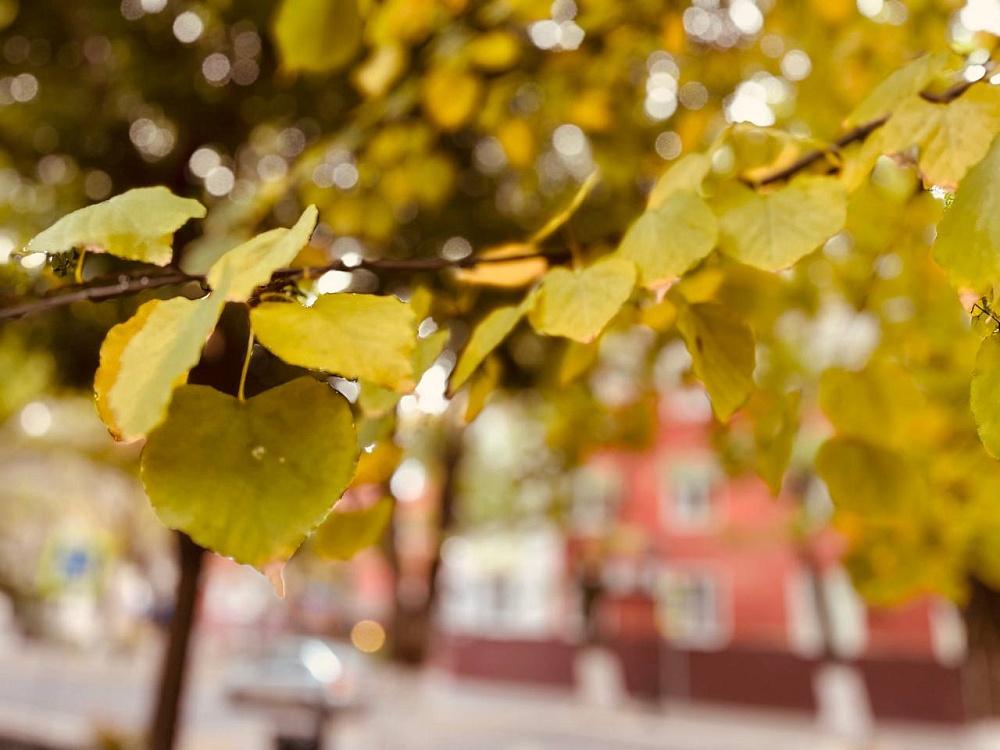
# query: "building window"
691,609
686,495
597,492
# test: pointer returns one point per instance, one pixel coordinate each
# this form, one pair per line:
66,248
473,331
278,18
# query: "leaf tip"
274,572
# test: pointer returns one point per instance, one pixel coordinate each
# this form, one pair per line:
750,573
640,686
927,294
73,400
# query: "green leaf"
317,36
723,354
869,479
358,336
579,304
773,231
251,479
968,240
486,337
951,137
145,358
345,533
901,85
985,395
684,176
666,241
137,225
241,270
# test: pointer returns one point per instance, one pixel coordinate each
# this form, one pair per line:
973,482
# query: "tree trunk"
412,622
981,670
163,732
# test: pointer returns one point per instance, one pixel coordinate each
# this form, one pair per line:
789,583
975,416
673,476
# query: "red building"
704,588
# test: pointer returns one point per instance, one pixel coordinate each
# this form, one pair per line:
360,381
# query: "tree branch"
98,290
125,285
860,133
809,158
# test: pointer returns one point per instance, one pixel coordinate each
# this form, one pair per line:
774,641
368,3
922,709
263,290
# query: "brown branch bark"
123,286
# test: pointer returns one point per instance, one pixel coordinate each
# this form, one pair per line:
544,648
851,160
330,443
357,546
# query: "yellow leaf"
668,240
494,51
898,87
950,137
251,479
145,358
344,533
869,479
509,274
968,238
878,403
317,36
450,97
486,337
985,398
685,175
518,141
358,336
137,225
579,304
377,466
775,425
563,216
377,74
482,385
241,270
774,231
723,354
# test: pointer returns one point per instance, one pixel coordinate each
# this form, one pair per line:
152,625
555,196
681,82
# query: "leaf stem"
246,366
78,274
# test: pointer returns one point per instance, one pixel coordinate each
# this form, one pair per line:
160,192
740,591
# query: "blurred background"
585,564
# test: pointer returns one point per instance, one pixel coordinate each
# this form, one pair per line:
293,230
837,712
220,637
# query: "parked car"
303,683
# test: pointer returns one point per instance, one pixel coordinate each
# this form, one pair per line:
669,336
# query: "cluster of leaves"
792,272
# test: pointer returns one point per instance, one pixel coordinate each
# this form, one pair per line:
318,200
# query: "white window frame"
688,494
707,629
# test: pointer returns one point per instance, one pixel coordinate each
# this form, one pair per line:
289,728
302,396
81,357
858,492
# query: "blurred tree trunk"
163,731
412,620
981,670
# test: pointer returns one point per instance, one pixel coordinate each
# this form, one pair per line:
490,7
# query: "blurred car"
301,683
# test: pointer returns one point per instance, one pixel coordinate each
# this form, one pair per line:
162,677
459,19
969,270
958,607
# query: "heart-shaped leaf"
251,479
773,231
666,241
137,225
579,304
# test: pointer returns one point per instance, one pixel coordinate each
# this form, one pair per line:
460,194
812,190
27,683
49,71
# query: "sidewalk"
433,711
62,696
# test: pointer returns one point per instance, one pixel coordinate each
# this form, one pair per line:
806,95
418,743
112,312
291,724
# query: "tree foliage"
822,239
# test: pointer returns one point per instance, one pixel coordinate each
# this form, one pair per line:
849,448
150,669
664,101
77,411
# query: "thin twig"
811,157
96,291
125,285
859,133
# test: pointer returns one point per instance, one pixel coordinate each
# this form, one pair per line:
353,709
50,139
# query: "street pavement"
61,697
